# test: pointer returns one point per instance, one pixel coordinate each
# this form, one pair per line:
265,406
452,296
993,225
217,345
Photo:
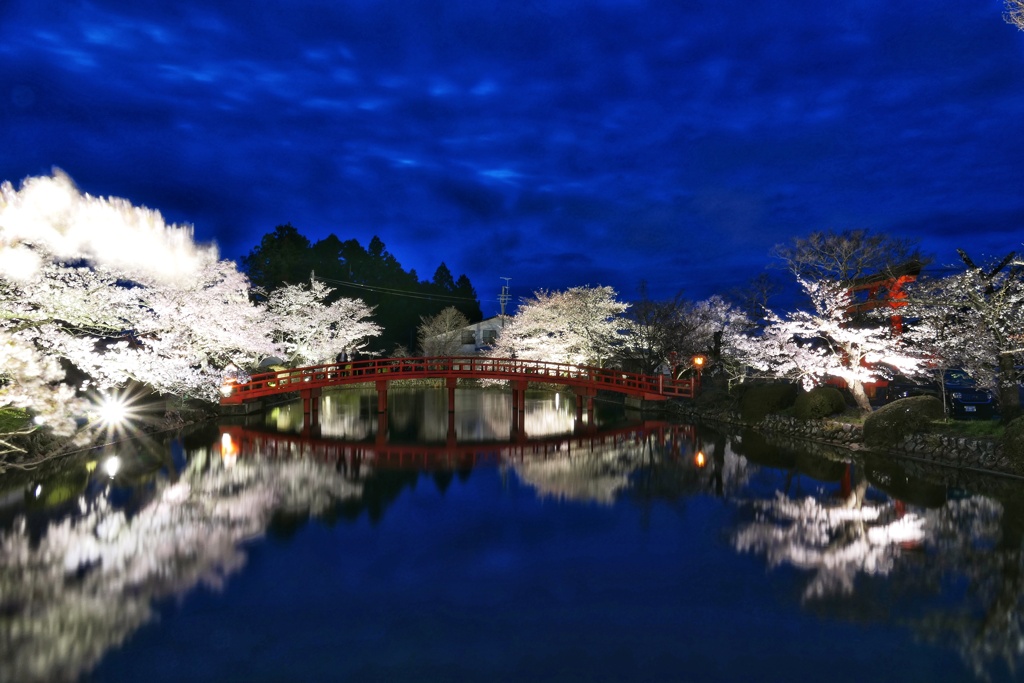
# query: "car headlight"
957,394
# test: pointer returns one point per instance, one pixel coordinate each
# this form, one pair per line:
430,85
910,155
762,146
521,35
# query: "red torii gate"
586,381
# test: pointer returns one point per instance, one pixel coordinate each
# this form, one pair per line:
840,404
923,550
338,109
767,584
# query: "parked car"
964,398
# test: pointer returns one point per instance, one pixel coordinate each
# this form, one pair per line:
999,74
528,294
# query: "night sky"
556,143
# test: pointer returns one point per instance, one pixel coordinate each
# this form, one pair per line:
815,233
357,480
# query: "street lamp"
698,364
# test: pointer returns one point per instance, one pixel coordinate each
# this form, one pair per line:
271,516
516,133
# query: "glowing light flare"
228,450
700,460
112,466
113,411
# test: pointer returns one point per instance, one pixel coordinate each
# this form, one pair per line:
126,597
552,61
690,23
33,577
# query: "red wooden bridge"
585,381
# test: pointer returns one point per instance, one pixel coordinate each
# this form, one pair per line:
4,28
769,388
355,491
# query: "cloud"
621,127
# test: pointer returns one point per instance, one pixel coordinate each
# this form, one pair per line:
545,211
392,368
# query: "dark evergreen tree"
468,303
443,281
372,274
283,256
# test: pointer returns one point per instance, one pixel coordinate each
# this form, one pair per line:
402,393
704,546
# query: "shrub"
715,399
891,423
758,400
1013,443
819,402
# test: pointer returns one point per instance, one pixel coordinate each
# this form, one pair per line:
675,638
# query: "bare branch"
1015,13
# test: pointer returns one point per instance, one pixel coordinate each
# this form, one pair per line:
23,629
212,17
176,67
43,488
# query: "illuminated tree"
309,330
833,337
112,290
441,334
812,346
1015,13
974,319
659,331
845,257
580,325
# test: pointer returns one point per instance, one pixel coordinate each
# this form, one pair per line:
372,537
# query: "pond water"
472,545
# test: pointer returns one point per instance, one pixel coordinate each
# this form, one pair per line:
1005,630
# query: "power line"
399,292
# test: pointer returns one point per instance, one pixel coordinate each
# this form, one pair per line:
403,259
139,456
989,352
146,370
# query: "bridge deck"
648,387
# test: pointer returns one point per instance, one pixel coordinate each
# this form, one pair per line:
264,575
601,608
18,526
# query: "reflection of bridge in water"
676,440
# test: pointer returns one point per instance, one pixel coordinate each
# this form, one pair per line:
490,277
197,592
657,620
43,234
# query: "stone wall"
979,454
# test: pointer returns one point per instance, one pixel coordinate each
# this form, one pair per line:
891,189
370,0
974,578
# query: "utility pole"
503,299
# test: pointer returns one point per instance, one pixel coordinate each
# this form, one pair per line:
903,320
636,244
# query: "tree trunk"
859,395
1009,396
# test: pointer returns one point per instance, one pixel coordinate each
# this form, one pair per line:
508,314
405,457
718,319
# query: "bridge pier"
452,436
382,428
311,411
585,397
382,396
519,408
450,382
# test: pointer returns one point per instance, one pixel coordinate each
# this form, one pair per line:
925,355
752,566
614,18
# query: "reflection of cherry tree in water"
837,539
665,466
842,539
977,542
705,464
90,580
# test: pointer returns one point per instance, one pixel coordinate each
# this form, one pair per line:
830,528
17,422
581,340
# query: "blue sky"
556,143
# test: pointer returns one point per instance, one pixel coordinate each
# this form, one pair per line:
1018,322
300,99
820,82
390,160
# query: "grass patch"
13,420
977,429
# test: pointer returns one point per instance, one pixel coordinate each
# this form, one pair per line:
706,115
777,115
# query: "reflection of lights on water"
557,397
228,450
112,465
39,490
700,459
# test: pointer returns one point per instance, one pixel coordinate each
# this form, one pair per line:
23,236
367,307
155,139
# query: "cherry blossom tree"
835,337
1015,13
823,342
309,330
111,292
580,325
672,331
441,334
974,319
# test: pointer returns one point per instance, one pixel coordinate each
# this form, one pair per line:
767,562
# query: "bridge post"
382,428
519,408
382,396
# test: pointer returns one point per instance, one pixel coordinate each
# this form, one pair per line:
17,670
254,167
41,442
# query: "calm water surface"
436,547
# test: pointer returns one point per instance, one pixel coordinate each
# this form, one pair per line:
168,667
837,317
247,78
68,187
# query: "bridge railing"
478,367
